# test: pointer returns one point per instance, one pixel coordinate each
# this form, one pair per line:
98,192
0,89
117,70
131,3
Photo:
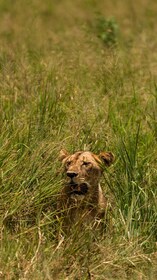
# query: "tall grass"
61,86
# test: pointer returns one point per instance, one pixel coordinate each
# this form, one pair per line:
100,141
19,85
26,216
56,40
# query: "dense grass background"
61,85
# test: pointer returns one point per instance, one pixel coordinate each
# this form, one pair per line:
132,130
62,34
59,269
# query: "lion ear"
63,154
107,158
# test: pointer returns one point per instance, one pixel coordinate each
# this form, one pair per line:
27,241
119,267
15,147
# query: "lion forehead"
85,156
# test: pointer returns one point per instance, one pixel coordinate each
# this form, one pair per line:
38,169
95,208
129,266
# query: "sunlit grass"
61,87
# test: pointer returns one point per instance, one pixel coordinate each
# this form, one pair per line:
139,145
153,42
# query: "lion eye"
68,163
86,163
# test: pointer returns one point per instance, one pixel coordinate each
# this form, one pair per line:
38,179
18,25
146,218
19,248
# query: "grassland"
61,86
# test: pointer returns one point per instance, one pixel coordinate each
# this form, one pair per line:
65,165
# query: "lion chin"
78,189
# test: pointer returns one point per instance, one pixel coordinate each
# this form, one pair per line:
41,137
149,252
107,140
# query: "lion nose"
72,174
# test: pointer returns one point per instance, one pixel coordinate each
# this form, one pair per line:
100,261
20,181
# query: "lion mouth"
78,189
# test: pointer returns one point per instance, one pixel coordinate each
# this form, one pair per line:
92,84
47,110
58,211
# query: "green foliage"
107,30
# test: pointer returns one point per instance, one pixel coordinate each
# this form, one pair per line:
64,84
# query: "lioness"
81,198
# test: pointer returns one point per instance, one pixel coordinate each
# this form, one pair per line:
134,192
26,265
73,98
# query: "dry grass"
60,86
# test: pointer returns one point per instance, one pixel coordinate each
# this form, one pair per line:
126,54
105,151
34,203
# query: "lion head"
83,170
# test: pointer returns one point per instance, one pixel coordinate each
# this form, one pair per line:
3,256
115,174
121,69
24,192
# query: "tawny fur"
81,198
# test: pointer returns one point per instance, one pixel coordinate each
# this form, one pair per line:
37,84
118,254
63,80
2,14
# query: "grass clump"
107,31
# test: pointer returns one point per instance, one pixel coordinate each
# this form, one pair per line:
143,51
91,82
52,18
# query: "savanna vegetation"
77,75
